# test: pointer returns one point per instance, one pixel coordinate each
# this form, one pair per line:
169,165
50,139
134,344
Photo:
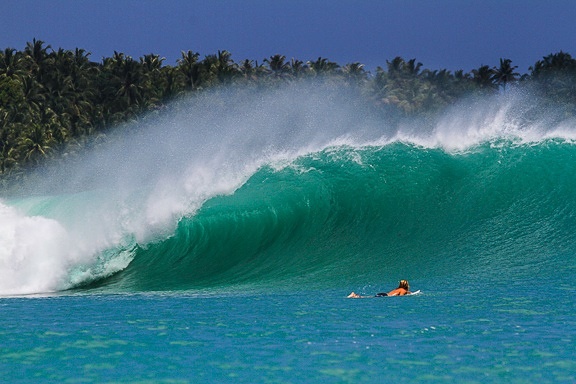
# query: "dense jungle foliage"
53,103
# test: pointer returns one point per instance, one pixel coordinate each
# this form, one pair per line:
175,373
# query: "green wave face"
301,189
376,213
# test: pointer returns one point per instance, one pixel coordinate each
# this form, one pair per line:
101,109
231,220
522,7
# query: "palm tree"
323,66
209,70
400,68
403,86
226,68
355,72
152,63
411,68
297,67
35,143
555,77
38,57
251,71
123,83
33,94
483,77
58,81
560,61
172,83
505,74
11,64
84,74
131,81
7,158
396,66
154,79
191,69
278,65
37,51
248,70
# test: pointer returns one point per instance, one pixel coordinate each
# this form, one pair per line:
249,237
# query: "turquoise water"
437,336
218,244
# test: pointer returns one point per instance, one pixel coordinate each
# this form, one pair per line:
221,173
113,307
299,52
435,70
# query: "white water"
28,246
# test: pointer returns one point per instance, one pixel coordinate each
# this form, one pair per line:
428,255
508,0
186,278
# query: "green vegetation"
54,102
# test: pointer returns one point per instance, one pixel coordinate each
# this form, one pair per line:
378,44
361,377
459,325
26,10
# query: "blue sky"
452,34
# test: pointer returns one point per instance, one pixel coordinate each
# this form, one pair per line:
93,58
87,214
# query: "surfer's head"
404,284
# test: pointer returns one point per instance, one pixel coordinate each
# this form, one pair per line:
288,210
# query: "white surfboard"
369,297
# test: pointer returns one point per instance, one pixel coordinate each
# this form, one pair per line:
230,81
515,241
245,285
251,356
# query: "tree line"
54,102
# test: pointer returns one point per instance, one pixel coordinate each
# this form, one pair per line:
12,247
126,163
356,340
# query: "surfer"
403,289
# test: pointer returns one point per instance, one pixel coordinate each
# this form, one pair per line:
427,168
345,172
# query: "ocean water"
436,336
218,242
